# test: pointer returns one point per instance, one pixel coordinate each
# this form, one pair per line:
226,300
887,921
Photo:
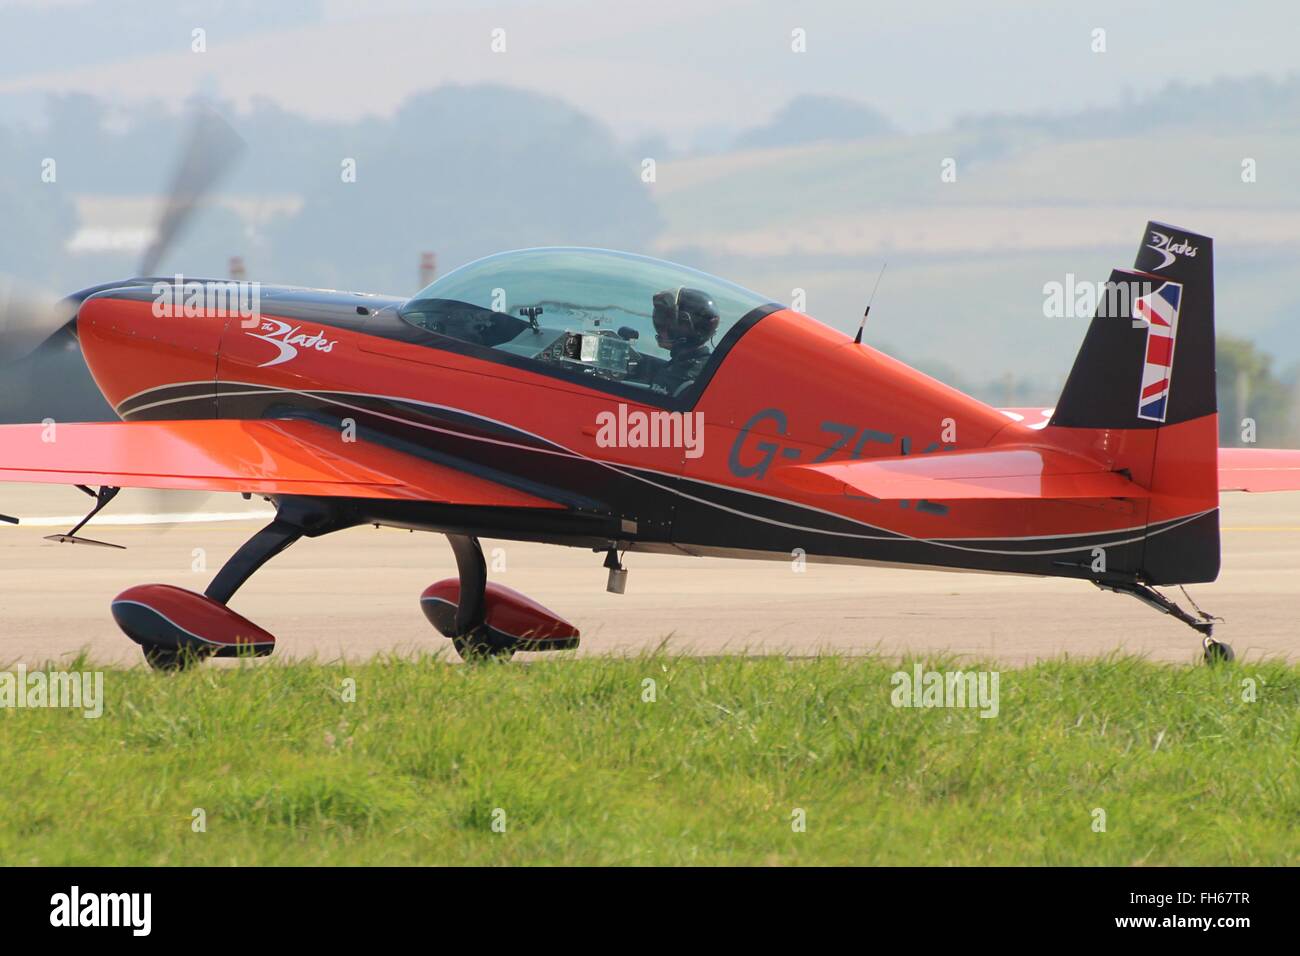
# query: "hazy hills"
814,200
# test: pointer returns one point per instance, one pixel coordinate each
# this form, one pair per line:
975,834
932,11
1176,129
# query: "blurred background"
790,148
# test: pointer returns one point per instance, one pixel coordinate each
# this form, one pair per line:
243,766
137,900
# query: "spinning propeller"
30,317
35,320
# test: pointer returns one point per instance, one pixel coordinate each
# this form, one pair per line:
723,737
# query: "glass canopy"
608,317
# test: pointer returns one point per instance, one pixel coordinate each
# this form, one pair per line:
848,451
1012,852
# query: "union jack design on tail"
1159,312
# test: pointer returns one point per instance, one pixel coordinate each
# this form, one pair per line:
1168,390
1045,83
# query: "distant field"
968,259
581,769
884,187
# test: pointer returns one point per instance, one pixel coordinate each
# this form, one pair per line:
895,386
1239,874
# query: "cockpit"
617,321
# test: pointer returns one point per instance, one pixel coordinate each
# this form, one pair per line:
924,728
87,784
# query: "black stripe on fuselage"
667,508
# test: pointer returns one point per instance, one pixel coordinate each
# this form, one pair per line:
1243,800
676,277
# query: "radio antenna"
857,339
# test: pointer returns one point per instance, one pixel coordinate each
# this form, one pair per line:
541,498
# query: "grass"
420,766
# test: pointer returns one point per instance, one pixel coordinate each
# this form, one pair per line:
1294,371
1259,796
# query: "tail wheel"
1216,652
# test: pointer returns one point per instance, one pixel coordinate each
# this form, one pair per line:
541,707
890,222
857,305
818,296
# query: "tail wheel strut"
1216,652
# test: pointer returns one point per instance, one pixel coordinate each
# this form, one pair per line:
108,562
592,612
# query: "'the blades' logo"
1158,311
1169,249
287,339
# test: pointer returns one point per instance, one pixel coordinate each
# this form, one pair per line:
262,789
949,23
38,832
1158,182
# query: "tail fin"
1142,393
1130,348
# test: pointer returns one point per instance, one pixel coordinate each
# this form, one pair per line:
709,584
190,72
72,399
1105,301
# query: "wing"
1259,469
262,457
1020,471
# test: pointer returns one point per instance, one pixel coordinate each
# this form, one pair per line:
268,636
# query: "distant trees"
465,172
812,119
1249,390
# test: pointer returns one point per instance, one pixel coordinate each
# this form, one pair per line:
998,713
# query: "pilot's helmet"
684,317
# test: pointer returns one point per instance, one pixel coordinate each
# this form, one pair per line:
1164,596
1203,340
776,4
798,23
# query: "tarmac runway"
355,593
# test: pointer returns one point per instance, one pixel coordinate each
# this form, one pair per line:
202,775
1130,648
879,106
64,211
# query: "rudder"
1142,391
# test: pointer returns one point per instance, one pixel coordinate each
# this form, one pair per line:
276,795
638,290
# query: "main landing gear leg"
252,554
1216,652
486,619
176,627
473,639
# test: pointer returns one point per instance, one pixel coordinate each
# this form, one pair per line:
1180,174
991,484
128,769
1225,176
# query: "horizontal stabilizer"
73,539
1259,469
266,456
1014,471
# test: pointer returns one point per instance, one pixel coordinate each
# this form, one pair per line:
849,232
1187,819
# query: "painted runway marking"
55,521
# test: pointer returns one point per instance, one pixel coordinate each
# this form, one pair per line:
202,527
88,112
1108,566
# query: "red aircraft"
609,401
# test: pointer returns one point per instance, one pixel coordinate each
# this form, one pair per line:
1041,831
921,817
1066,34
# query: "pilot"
685,321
